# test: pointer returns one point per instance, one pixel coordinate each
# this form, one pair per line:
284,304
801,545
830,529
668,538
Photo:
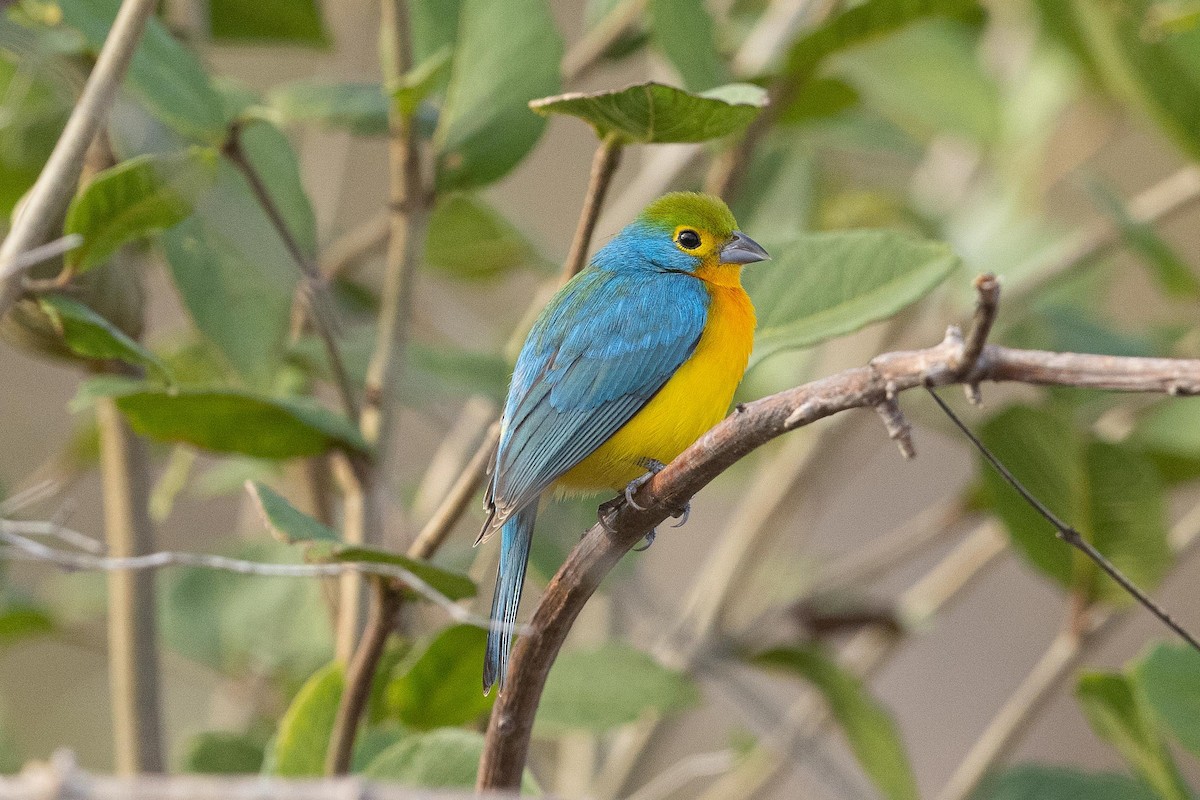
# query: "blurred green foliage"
911,144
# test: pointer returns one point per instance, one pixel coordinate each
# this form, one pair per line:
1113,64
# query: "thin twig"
755,424
345,251
590,50
20,546
1003,733
316,293
604,166
1066,532
407,214
457,500
48,198
40,255
360,673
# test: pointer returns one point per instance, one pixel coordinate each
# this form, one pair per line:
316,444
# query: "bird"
628,364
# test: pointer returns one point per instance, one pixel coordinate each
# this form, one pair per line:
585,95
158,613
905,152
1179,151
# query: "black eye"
688,239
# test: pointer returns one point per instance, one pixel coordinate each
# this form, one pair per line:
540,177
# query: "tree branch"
407,213
604,166
132,628
360,673
751,426
316,292
48,198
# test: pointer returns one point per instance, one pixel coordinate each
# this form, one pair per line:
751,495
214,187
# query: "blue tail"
510,575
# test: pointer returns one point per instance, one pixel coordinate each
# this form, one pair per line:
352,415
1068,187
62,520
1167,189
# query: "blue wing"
602,348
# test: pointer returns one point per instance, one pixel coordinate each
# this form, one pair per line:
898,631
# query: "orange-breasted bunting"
628,364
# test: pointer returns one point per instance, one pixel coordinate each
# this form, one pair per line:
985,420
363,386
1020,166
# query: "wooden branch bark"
751,426
47,200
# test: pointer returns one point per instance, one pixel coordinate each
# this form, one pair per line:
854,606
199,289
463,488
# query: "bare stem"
315,289
739,434
604,165
132,635
407,212
455,503
385,605
48,198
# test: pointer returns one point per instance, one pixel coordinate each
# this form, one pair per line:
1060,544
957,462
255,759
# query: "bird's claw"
605,514
682,515
653,467
649,540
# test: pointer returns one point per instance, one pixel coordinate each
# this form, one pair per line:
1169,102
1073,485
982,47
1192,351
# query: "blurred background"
1048,143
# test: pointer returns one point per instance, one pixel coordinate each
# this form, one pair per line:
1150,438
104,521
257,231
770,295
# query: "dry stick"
132,634
1066,532
753,425
604,165
353,245
47,200
408,210
319,304
457,500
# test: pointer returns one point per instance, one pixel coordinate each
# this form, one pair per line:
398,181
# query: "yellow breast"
695,398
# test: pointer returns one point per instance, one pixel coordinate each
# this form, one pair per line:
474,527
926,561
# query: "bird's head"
688,232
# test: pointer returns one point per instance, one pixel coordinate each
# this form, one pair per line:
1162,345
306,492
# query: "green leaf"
360,108
1128,519
422,80
441,759
507,54
236,421
823,285
863,23
1037,782
655,113
283,21
928,79
1158,74
164,76
1169,678
288,523
1172,272
453,585
683,31
1118,717
20,621
92,336
222,753
304,730
134,199
247,626
441,688
822,98
1171,428
597,690
1109,493
868,726
37,109
229,264
469,239
434,26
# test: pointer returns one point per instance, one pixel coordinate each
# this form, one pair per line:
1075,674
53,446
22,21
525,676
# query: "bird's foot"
653,467
649,540
682,515
606,514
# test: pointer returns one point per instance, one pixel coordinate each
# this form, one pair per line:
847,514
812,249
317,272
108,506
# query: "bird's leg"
653,467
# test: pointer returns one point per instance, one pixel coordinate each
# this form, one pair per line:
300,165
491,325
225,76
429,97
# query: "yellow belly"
695,398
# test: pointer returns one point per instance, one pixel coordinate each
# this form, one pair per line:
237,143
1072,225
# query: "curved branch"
751,426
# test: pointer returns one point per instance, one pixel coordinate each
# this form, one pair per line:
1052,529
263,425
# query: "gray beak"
741,249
